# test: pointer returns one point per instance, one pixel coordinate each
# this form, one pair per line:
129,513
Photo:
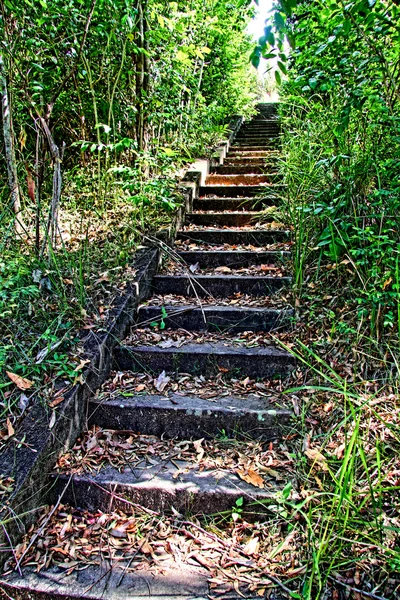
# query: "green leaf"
278,78
282,67
286,490
279,21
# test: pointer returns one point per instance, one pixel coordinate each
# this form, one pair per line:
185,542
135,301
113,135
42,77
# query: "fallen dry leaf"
10,428
252,546
20,382
315,456
251,477
161,382
56,402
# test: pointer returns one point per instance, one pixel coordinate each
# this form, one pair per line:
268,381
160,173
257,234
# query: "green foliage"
126,93
341,106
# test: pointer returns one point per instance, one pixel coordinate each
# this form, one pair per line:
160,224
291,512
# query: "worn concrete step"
207,358
271,160
241,170
189,417
231,191
254,138
236,204
245,170
239,179
255,126
238,152
216,318
228,219
217,285
112,581
253,150
255,145
234,258
157,487
254,237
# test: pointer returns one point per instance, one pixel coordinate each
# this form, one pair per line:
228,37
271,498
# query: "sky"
256,26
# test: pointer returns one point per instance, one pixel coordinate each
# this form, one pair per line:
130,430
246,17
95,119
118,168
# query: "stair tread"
238,404
210,348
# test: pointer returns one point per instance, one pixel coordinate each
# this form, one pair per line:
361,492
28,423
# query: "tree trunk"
142,73
9,149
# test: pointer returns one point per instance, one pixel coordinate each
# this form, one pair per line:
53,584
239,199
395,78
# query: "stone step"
245,170
238,152
240,179
189,417
255,126
207,358
156,487
218,286
253,138
271,160
254,237
234,258
112,581
249,148
216,318
228,219
245,191
237,204
255,145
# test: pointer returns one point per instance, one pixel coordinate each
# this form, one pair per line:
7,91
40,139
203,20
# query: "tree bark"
142,73
8,137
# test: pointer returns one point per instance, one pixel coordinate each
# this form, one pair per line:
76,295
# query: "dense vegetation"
338,67
342,108
103,102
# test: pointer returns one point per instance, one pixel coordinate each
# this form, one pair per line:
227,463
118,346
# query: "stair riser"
254,138
197,362
245,170
150,415
234,259
224,219
240,153
113,496
226,236
240,179
222,287
254,147
219,204
223,319
231,191
270,165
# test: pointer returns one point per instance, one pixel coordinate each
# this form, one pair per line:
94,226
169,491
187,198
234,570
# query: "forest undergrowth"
334,530
104,103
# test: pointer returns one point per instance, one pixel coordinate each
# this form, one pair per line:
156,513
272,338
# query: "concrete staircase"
225,254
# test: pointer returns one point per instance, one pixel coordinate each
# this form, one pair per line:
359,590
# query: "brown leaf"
146,548
140,387
20,382
10,428
119,532
252,546
161,382
316,457
56,402
251,477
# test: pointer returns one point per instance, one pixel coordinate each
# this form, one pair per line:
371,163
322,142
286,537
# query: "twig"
43,527
358,591
97,580
144,540
12,547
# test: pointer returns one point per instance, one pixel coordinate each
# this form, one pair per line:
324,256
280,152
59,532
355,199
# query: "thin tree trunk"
9,149
142,73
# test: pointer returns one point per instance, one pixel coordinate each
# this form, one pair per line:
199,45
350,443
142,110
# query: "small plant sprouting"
237,509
